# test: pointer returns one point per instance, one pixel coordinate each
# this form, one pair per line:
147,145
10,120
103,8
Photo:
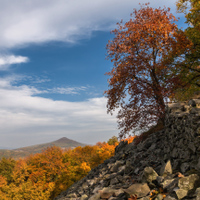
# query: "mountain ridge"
22,152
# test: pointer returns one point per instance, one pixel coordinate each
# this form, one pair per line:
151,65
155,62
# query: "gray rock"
95,197
175,153
149,174
168,197
184,167
106,193
192,103
144,198
189,182
73,195
159,180
166,169
169,184
194,110
159,197
197,193
181,193
116,166
84,197
114,181
140,190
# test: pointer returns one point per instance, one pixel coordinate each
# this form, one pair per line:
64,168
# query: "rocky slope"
165,165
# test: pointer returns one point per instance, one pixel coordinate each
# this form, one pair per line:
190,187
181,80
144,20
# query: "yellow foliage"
44,175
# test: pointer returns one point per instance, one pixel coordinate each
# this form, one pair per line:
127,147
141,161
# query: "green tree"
190,65
113,140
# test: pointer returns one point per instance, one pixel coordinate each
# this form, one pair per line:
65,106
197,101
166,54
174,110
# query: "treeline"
44,175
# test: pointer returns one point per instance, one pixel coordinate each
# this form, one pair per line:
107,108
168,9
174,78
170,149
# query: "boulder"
149,175
140,190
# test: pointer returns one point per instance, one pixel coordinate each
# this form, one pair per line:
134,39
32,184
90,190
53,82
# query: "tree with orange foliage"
143,75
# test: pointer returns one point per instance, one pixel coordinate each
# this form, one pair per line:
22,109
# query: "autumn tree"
143,76
6,168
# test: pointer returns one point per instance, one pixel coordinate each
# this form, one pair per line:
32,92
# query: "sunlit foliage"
190,66
44,175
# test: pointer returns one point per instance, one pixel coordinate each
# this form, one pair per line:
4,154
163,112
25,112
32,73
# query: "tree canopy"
190,73
144,73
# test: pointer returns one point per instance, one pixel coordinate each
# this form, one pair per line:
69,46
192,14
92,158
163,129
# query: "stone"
106,193
73,195
159,179
136,171
198,130
159,197
95,197
168,197
192,103
140,190
121,146
149,174
197,193
175,107
189,182
116,166
114,181
152,147
181,193
84,197
194,110
184,167
144,198
85,186
169,184
96,189
166,169
118,192
175,153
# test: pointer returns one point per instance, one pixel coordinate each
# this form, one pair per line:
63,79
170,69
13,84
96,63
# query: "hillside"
25,151
165,165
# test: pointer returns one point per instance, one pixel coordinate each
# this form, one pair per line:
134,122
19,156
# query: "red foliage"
143,75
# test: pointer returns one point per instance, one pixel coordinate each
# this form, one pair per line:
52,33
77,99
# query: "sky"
52,68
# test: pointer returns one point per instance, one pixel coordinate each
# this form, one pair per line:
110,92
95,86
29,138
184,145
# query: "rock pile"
165,165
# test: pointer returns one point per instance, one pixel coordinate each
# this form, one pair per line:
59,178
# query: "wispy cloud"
67,90
23,116
7,60
49,20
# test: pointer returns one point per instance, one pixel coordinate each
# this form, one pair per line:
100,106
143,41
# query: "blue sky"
52,66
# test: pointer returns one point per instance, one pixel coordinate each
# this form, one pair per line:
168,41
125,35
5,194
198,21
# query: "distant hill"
25,151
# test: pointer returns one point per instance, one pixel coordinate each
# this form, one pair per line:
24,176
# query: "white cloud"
24,22
28,119
23,116
7,60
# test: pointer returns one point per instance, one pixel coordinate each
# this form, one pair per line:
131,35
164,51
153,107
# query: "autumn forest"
44,175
